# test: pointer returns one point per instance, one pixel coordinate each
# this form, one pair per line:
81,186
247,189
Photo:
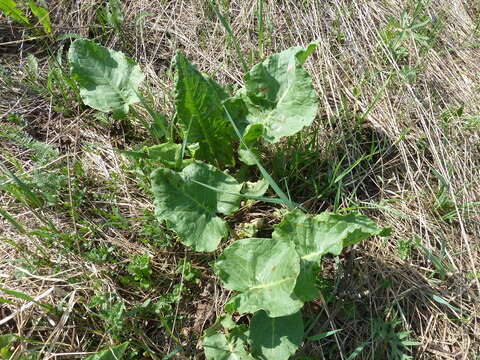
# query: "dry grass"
426,127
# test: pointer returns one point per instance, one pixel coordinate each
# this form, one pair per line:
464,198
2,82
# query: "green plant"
390,343
196,184
140,270
413,29
112,353
161,308
188,272
10,9
111,309
404,247
111,15
100,255
6,342
41,185
440,268
444,205
108,80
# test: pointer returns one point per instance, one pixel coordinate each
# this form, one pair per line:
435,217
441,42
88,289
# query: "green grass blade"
30,197
172,353
33,200
25,297
250,197
323,335
227,27
42,15
9,8
261,29
358,350
12,221
286,201
158,119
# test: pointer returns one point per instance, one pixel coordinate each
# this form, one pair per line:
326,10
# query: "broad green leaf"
256,189
9,8
219,347
42,15
169,154
264,273
200,112
108,80
113,353
251,137
275,338
228,323
237,129
314,236
68,36
190,208
278,94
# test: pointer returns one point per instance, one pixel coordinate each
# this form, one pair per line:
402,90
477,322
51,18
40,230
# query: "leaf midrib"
196,116
287,91
108,82
200,205
272,284
114,88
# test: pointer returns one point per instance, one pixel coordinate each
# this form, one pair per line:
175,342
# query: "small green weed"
389,342
413,30
404,247
100,254
56,86
188,272
140,271
114,353
152,233
43,182
440,269
111,310
110,16
11,9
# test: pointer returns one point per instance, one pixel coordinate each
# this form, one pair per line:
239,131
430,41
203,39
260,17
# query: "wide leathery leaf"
314,236
201,114
276,338
108,80
279,94
221,347
190,208
264,273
